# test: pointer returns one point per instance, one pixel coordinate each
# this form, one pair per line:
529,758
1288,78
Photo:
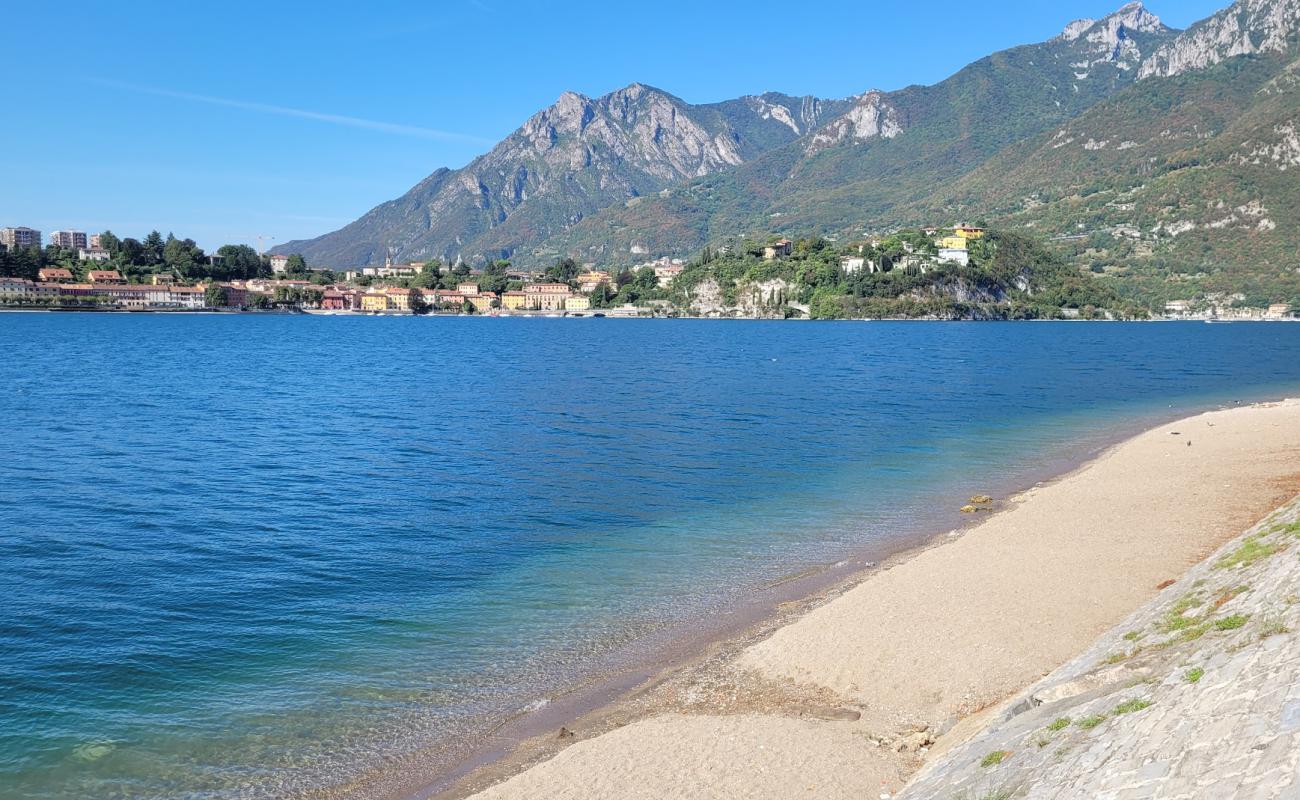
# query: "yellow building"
953,243
513,301
546,296
374,301
577,302
399,299
969,232
482,302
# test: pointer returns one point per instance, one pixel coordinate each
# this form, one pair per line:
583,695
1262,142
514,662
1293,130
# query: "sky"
223,122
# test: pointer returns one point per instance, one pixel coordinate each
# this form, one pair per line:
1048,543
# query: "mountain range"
1143,150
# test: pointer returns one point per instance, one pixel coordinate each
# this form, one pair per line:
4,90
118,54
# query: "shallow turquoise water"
249,556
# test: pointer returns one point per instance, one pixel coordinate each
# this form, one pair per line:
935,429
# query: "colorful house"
513,301
482,302
374,301
546,296
577,302
54,275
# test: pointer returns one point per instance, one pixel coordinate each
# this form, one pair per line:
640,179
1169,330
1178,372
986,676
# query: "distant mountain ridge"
566,162
639,173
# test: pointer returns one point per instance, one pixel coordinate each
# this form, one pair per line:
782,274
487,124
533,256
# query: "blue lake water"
254,556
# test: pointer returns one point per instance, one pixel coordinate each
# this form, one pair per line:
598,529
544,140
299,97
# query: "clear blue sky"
222,121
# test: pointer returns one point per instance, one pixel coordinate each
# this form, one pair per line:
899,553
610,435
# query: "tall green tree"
563,271
153,249
109,241
415,298
184,257
216,296
242,262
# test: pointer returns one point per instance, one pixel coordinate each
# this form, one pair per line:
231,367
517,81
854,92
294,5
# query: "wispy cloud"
333,119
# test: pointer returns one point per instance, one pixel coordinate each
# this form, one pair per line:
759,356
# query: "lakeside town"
76,271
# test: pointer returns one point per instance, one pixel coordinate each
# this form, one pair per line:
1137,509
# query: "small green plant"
1088,723
1230,623
1272,625
1132,636
1176,618
1253,548
1129,706
995,758
1193,675
1059,724
1115,658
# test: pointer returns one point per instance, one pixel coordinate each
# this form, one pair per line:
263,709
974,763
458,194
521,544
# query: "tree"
415,298
646,280
296,264
184,257
111,243
601,296
241,261
429,274
131,252
216,296
153,245
563,271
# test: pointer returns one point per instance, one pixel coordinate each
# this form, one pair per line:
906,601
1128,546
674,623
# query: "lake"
255,556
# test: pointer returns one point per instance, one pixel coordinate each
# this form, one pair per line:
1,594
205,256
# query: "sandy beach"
850,692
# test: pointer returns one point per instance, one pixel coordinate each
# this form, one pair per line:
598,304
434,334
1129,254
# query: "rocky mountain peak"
1112,38
1131,17
1245,27
872,116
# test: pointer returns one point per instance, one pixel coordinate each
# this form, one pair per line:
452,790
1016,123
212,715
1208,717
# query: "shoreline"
607,702
603,314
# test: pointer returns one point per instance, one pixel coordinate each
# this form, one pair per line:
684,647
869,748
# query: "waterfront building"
399,299
69,240
15,238
513,301
482,301
546,296
333,300
374,301
577,302
16,288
